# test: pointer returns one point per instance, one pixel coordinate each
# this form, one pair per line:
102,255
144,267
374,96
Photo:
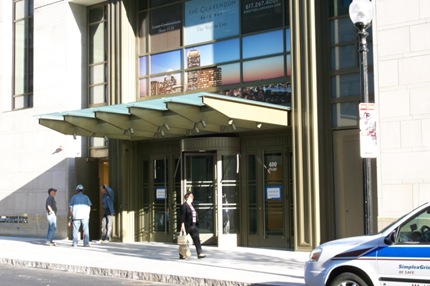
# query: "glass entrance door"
268,197
210,170
215,196
199,178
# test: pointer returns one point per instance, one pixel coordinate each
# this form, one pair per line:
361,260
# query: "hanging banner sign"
368,141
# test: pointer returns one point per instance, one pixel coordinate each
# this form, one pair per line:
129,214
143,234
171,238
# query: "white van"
398,255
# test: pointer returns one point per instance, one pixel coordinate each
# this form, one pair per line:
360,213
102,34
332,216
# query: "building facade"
251,105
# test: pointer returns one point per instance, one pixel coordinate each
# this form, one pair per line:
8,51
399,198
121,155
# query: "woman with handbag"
190,222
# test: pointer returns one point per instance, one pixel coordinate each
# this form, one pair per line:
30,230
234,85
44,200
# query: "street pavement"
159,262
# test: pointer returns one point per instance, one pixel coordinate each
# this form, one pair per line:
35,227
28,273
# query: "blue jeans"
76,224
52,226
107,227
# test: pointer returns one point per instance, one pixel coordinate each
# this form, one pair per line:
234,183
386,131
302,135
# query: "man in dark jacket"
108,212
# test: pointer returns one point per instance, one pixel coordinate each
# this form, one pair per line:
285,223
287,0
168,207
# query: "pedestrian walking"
80,207
190,223
108,212
51,215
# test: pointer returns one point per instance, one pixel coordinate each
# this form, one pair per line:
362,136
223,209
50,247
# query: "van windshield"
416,229
391,224
394,222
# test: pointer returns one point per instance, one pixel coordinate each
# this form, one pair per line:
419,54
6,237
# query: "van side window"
416,230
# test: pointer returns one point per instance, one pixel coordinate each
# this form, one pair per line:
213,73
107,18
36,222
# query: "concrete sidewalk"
159,262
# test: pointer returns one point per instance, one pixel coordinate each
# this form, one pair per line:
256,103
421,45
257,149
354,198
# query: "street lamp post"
361,14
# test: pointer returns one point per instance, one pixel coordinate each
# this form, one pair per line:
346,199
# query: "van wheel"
348,279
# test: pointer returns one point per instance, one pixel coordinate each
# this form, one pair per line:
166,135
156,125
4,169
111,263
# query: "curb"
125,274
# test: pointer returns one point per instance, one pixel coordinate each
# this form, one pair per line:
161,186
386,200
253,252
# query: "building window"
344,66
97,57
165,28
23,54
98,94
200,45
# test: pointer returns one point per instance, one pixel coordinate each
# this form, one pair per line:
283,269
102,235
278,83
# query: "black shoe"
201,255
182,257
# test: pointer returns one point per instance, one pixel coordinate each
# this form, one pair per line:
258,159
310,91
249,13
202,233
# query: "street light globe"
361,12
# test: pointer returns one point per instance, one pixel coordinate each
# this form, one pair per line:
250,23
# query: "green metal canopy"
174,116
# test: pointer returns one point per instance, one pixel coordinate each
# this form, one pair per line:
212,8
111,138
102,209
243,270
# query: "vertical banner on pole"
368,140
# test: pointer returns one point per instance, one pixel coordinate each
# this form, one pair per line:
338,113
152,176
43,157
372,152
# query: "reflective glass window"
288,40
143,87
97,43
166,28
97,74
253,47
97,55
266,68
143,66
345,114
342,31
143,32
166,84
165,62
343,57
339,7
208,20
219,52
261,15
20,57
345,85
98,94
23,54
